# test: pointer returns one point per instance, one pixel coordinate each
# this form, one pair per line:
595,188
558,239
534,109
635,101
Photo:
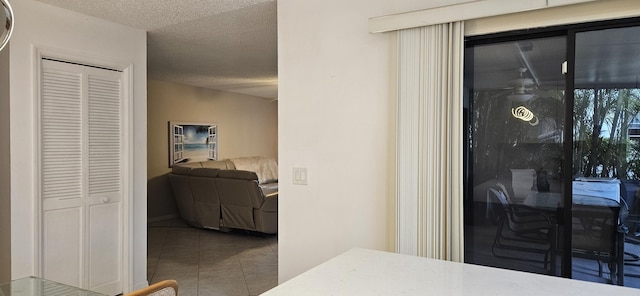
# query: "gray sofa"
217,195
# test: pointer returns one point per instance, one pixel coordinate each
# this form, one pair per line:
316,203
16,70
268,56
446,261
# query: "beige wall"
247,126
5,171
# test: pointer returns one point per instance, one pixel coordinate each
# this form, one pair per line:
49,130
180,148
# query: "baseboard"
162,218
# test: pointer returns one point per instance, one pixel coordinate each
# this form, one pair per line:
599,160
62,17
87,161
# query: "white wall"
336,118
42,26
5,171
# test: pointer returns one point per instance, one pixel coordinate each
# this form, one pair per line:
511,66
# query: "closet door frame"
126,67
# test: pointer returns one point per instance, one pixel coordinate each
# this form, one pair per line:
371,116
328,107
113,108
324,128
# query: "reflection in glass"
6,19
516,139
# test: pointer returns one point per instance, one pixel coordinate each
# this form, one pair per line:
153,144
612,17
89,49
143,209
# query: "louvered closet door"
81,176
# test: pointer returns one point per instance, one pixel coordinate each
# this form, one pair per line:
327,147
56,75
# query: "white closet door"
81,181
104,181
62,175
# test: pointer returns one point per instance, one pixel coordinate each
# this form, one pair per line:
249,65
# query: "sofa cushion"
181,170
224,164
195,164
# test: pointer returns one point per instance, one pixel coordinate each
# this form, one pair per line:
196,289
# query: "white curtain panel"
429,143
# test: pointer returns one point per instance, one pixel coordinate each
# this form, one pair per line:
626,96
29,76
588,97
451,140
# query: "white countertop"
369,272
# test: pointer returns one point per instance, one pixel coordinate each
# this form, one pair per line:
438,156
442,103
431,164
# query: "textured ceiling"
229,45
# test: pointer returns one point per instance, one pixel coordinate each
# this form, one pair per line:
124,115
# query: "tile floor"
209,262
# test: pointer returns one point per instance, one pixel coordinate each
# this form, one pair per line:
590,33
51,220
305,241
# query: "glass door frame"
568,31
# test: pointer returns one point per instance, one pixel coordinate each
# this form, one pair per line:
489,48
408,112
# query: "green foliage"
602,119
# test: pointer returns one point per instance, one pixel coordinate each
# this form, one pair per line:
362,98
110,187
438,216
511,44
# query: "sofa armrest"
270,203
269,188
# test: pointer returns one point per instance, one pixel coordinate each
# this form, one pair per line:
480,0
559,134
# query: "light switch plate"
300,176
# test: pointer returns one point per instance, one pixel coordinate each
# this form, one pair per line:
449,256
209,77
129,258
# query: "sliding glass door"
516,181
606,155
553,152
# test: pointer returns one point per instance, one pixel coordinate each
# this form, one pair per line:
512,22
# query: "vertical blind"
429,144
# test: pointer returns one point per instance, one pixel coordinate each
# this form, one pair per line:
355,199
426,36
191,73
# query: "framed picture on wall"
192,142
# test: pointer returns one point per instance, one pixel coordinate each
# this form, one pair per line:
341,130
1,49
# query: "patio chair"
520,229
597,235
